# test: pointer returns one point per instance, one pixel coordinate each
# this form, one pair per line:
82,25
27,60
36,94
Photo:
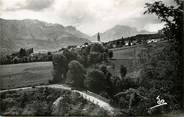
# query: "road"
85,95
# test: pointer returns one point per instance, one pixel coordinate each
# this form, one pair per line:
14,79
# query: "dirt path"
85,95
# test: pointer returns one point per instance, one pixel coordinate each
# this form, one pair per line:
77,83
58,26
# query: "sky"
89,16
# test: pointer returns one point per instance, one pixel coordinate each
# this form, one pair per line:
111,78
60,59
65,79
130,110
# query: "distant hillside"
141,37
77,33
117,32
16,34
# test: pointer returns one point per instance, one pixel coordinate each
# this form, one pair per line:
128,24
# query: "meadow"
25,74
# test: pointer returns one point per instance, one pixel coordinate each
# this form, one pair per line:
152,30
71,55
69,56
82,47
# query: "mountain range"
42,36
118,32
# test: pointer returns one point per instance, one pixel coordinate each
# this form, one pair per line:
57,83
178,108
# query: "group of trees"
72,62
25,56
84,69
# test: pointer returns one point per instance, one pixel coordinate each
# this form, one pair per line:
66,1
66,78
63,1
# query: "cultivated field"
25,74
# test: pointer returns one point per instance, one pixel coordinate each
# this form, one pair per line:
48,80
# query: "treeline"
25,56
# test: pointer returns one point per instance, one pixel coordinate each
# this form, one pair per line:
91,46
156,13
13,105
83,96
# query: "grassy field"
25,74
131,52
126,56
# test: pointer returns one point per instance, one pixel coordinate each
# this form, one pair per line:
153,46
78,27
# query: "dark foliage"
59,67
29,103
25,56
76,74
123,71
110,54
96,81
39,102
168,67
22,52
97,48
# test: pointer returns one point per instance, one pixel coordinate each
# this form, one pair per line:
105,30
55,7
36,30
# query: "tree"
166,65
110,54
108,75
70,55
96,47
123,71
122,41
98,36
172,16
22,52
95,57
129,43
76,74
59,67
133,94
29,51
95,81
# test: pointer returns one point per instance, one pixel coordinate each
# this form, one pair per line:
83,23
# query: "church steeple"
98,37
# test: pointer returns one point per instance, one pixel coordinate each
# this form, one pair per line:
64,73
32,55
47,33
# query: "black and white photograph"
111,58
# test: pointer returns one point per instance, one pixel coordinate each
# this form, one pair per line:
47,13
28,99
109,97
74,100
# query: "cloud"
75,12
35,5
